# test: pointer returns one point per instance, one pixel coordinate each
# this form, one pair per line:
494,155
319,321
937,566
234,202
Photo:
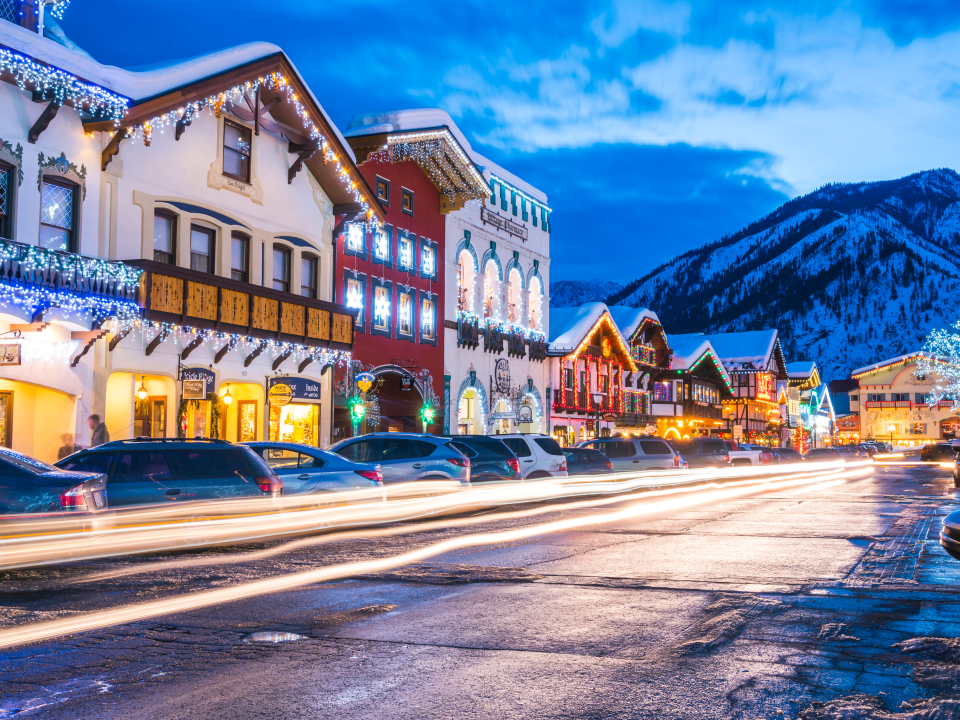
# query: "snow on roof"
688,349
392,121
568,326
158,79
801,369
752,348
628,319
884,363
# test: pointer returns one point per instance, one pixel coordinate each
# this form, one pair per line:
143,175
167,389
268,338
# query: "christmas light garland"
276,82
939,361
63,86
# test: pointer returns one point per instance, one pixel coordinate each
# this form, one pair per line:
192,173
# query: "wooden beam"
256,112
112,148
115,340
303,366
347,209
32,327
88,338
46,117
157,341
279,361
222,352
197,342
257,351
304,152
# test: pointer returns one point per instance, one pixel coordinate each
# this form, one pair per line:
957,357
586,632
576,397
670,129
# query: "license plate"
98,500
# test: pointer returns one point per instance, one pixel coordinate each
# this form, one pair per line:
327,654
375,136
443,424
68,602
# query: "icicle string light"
63,86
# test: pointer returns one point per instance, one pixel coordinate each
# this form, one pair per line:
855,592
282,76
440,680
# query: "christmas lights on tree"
940,363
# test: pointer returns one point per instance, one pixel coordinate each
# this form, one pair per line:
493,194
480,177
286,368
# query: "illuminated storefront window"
295,422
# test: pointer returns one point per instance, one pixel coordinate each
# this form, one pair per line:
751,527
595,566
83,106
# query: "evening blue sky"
652,126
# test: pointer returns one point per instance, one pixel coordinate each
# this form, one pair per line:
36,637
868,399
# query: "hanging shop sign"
610,417
501,223
197,383
365,381
296,388
764,386
406,382
738,433
526,414
279,394
10,354
502,375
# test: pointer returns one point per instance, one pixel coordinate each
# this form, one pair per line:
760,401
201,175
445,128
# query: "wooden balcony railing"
515,345
874,404
187,297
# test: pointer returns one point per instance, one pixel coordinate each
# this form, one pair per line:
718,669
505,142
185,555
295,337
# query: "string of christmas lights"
63,86
276,82
940,362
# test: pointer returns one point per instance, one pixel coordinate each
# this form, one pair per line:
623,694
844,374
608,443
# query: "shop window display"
295,422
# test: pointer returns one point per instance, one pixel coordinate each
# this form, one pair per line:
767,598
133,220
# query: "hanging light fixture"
142,392
227,398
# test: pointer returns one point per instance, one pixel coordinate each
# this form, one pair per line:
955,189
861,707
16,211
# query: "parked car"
490,459
787,455
540,455
305,469
939,452
155,471
28,485
950,533
823,454
955,464
851,451
870,450
585,461
405,457
742,453
637,453
703,451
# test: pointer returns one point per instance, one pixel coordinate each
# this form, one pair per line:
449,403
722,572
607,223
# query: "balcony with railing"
644,354
38,279
515,344
880,404
468,331
178,296
702,410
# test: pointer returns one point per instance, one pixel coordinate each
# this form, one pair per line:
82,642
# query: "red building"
395,273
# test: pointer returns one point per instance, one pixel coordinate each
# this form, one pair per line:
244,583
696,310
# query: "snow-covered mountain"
849,274
574,293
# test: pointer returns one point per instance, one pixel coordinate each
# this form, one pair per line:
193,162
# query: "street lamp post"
597,399
892,428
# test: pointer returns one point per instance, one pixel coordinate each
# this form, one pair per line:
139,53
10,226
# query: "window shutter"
493,192
534,209
513,202
503,198
200,242
162,234
523,206
279,265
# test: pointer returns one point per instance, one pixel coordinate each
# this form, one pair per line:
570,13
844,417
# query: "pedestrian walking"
98,431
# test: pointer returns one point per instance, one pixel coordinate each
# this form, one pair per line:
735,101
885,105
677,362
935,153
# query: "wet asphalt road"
834,603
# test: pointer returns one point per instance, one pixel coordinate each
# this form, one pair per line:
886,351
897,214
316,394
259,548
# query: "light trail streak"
202,524
35,632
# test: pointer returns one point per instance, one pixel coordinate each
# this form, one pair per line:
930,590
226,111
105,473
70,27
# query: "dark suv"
155,471
703,451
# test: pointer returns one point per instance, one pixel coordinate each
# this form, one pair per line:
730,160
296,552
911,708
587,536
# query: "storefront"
294,410
36,420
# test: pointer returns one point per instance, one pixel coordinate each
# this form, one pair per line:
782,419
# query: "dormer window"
406,201
383,191
236,151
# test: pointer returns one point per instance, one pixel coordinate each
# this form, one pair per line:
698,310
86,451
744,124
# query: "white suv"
540,455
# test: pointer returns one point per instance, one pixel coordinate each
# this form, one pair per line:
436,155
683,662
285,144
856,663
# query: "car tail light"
459,462
726,458
676,461
514,465
609,464
73,498
272,485
563,466
372,475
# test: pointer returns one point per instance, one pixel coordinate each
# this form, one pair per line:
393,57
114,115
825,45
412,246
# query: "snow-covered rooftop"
154,80
628,319
743,350
885,363
801,369
687,349
568,326
391,121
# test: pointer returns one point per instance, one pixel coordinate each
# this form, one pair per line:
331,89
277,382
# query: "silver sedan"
306,470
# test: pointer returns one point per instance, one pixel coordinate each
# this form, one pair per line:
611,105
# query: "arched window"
465,281
515,303
491,282
535,303
58,215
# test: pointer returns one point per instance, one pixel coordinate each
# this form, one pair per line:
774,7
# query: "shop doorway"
127,416
150,418
400,403
467,422
43,423
6,419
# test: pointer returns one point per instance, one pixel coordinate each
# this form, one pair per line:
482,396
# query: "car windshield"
25,462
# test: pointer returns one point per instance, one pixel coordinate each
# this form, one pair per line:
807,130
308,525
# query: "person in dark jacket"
98,431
